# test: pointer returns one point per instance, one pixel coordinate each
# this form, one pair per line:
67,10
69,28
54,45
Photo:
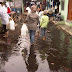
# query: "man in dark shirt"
39,7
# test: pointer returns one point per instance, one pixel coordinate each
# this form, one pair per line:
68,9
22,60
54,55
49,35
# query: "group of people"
37,16
34,18
5,16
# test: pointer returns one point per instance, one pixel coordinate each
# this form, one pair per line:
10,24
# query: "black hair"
40,2
1,3
51,0
43,7
35,3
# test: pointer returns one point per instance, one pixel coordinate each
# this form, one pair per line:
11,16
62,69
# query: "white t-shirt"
40,14
55,7
3,8
4,16
29,10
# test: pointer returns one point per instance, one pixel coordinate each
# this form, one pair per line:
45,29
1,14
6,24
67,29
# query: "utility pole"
14,5
22,7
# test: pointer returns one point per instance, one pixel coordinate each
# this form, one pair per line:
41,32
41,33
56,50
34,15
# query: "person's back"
44,21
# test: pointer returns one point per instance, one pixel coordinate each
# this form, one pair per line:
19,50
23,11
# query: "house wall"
1,0
16,4
70,10
64,12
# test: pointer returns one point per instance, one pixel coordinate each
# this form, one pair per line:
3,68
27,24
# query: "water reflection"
52,55
5,53
31,63
59,55
57,49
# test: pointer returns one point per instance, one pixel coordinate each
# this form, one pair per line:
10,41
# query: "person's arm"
38,20
27,18
41,21
48,19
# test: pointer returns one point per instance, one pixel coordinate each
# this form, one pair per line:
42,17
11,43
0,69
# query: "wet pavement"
52,55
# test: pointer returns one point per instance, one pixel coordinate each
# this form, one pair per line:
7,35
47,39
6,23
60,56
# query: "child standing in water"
44,23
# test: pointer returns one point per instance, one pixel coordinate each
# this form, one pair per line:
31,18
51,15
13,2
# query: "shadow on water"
31,63
5,53
8,48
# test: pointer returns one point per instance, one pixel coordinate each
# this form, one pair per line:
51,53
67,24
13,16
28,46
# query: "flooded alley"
52,55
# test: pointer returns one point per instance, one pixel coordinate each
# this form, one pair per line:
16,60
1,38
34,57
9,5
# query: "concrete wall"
64,12
1,0
16,4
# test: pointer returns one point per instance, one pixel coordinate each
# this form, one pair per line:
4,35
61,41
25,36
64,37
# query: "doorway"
70,10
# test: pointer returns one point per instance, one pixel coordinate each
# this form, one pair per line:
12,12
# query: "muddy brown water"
52,55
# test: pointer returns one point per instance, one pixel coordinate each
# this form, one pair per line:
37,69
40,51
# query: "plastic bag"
24,30
38,31
12,25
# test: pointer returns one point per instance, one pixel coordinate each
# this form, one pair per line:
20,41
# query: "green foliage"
9,0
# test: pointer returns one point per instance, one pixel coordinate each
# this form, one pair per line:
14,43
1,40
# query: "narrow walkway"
64,27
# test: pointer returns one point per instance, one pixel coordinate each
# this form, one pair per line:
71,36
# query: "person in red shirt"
8,8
